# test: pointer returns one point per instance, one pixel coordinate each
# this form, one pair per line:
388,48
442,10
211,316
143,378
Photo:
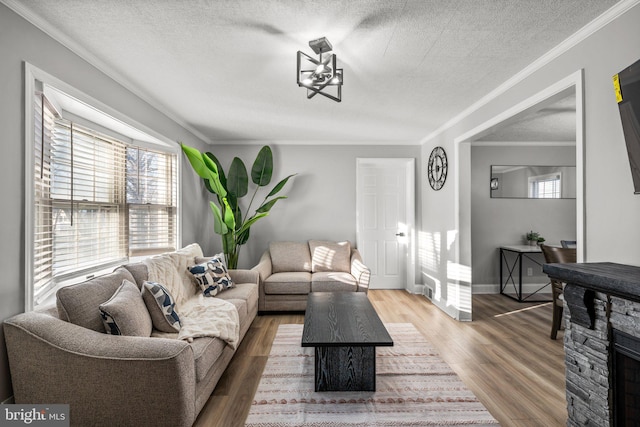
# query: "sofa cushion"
212,276
244,291
292,283
78,304
139,272
161,307
125,312
332,281
206,351
289,256
241,306
330,256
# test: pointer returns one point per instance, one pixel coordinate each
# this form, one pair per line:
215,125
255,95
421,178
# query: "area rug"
414,387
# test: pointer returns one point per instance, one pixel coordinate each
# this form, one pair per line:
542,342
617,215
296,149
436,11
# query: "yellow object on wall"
616,86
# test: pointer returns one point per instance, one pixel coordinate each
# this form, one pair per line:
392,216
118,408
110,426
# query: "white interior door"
385,216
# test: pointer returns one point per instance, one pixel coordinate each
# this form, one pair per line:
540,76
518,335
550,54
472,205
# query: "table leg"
501,261
345,368
520,278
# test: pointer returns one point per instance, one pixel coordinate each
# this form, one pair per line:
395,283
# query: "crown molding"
523,143
601,21
102,66
313,142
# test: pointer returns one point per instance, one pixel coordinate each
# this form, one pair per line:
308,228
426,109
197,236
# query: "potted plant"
532,237
230,222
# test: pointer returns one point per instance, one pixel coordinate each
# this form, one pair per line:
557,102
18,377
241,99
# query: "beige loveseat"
63,355
290,270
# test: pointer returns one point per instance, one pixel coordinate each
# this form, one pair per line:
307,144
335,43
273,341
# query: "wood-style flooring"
505,356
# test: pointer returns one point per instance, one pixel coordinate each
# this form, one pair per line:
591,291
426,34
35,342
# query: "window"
97,199
545,186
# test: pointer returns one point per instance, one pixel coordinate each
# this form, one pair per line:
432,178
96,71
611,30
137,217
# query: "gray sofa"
290,270
63,355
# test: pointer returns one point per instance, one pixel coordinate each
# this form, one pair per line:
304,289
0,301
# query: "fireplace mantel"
618,280
584,279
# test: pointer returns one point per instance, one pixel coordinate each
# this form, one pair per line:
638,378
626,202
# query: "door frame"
462,157
410,182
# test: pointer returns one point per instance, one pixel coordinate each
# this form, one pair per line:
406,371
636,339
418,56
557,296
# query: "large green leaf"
243,237
197,163
266,207
279,186
222,177
238,181
229,217
251,221
214,180
262,167
205,168
218,224
208,186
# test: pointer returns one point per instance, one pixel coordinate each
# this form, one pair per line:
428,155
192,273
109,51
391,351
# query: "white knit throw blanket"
200,316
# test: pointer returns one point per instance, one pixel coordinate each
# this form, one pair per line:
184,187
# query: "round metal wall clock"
437,168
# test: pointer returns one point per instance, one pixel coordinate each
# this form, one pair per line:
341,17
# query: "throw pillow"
212,276
289,256
330,256
161,306
125,312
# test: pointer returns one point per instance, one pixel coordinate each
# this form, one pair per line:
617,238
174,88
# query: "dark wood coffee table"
345,330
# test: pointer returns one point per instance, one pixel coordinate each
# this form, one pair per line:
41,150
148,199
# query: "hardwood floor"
504,356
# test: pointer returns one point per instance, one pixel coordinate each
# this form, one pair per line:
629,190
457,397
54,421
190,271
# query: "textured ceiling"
226,68
553,123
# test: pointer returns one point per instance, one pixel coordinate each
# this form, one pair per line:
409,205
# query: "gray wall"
321,200
496,222
19,42
607,177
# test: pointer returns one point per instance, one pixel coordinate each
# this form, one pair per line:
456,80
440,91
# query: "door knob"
400,234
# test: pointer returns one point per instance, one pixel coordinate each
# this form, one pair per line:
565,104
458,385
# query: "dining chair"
552,255
568,243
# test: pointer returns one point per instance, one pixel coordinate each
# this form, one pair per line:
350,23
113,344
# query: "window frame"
37,79
534,182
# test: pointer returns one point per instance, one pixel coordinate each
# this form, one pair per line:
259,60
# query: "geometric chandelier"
320,76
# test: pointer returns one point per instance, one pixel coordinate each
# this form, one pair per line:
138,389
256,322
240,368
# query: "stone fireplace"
602,342
626,378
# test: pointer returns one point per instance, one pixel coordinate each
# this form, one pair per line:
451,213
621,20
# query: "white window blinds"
151,199
97,200
545,187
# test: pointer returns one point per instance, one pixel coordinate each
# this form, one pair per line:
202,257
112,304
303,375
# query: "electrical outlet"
529,271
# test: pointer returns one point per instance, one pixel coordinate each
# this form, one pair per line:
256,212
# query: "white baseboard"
485,289
492,288
417,289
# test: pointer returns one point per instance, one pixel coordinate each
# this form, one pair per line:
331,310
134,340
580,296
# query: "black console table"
513,263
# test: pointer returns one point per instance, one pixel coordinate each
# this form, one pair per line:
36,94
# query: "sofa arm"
361,272
105,379
244,276
263,267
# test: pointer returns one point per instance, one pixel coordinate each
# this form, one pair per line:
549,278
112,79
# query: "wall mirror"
533,182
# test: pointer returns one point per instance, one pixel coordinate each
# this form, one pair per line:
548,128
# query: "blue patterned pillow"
110,324
212,276
161,306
